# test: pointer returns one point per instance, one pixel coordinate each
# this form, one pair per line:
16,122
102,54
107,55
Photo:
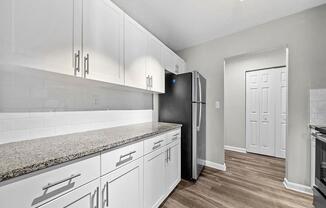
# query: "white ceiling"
184,23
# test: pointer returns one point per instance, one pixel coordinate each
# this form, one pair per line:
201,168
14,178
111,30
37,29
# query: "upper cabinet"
39,34
180,65
135,54
93,39
168,60
154,70
103,41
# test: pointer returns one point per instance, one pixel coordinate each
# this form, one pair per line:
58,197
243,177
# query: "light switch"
217,105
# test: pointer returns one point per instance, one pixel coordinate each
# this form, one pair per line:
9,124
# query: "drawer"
173,136
154,143
39,189
120,157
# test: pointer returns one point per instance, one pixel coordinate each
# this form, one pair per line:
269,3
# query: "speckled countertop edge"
41,165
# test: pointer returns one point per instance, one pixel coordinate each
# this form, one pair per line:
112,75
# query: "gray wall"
304,33
235,91
26,90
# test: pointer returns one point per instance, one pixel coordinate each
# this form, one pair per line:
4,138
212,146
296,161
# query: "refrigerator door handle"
200,104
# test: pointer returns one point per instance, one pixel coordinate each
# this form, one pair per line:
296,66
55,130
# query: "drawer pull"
61,181
158,142
175,135
174,138
122,161
156,146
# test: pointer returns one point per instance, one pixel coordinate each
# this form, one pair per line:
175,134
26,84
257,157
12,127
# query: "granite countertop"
24,157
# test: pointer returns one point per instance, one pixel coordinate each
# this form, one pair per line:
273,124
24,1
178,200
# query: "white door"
154,178
267,112
40,34
281,112
173,176
103,41
123,188
154,67
252,112
135,54
87,196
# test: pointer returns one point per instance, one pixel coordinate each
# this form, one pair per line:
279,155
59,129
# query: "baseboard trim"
297,187
235,149
216,166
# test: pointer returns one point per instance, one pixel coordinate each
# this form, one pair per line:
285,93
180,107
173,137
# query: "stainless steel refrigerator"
184,102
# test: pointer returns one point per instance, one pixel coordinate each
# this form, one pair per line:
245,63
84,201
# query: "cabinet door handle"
97,197
151,82
170,154
167,155
147,81
174,138
86,65
49,185
156,146
77,62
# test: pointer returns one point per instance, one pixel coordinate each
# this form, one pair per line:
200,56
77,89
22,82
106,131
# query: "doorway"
267,111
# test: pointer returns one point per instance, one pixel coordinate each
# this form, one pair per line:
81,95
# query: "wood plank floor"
251,180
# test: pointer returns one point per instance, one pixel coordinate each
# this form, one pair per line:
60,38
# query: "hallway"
251,180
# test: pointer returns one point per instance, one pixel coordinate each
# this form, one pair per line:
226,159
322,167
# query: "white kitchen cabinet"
154,68
87,196
103,41
40,34
180,65
168,60
123,188
135,54
173,170
155,178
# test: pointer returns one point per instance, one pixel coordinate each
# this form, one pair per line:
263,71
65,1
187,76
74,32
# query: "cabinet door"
180,66
86,196
40,34
103,41
154,178
155,66
123,188
173,170
135,54
168,60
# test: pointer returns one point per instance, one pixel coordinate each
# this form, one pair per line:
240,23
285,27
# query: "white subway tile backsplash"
318,106
22,126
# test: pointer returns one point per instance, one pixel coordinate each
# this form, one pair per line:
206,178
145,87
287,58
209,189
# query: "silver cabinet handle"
167,156
86,65
106,190
151,81
147,82
170,154
156,146
97,197
49,185
77,62
174,138
129,158
158,142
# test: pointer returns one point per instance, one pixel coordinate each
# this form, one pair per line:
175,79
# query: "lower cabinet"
154,178
173,171
121,178
87,196
162,173
123,188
